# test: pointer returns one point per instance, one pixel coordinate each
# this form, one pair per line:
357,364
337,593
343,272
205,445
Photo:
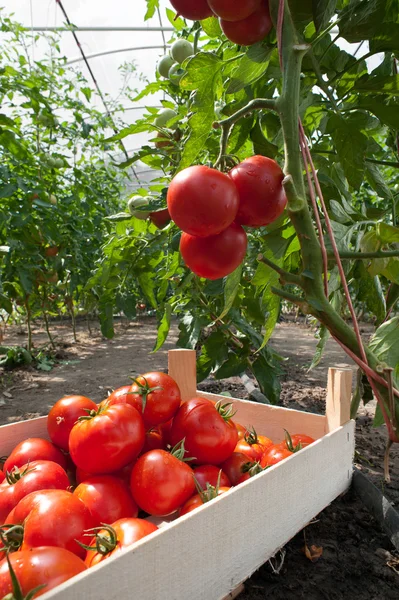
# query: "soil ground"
358,560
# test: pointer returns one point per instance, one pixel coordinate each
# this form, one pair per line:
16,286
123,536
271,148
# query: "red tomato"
234,10
273,455
120,535
202,201
63,416
216,256
51,251
241,430
210,436
199,500
234,466
156,396
2,476
297,441
165,428
37,475
250,470
210,474
251,30
259,183
43,566
120,395
123,474
53,518
160,219
161,483
195,10
107,498
153,441
107,440
34,449
253,445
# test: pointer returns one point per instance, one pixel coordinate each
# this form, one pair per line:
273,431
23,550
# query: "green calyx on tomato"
91,413
253,468
289,443
11,537
251,437
106,539
16,474
144,390
179,451
226,411
16,588
210,492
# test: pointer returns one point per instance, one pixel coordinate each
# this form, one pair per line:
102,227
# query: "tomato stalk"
211,491
289,443
179,451
226,411
16,593
11,537
144,390
16,474
106,539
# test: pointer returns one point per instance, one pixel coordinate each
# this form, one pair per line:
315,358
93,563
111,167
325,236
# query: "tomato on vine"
251,30
202,201
234,10
216,256
195,10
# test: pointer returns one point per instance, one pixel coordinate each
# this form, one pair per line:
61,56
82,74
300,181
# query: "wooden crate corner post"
339,393
182,367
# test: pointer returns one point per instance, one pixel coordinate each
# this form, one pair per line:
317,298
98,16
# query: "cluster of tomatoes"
211,208
109,469
243,22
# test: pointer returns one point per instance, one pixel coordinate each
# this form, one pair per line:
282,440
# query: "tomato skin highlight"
210,474
195,10
234,10
202,201
108,441
197,501
161,483
251,30
63,416
273,455
40,475
53,518
258,180
209,439
107,498
41,566
216,256
128,532
34,449
160,405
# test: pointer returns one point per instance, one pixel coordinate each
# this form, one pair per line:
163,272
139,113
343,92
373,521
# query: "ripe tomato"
2,476
211,475
251,30
42,566
156,396
34,449
108,439
201,499
259,183
107,498
209,435
120,535
216,256
165,428
161,483
297,441
241,430
51,251
234,10
273,455
120,395
63,416
160,218
253,445
195,10
202,201
234,466
53,518
153,441
37,475
123,474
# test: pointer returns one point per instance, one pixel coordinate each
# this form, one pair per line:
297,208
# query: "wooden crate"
207,554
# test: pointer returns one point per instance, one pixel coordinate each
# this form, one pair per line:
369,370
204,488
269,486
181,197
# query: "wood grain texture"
182,367
205,555
12,434
339,393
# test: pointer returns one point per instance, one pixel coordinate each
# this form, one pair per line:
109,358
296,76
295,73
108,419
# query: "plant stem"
364,255
387,475
285,276
50,337
29,324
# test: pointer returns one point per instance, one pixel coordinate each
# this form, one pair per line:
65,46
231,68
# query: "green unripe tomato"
164,117
164,65
59,163
53,199
134,204
181,50
175,74
51,162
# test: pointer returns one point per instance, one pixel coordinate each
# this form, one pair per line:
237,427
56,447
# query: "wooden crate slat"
206,555
13,433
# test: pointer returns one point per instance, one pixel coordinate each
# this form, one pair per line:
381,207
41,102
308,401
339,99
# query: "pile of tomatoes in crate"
243,22
111,470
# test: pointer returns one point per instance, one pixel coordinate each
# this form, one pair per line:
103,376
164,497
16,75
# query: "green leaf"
323,10
377,180
389,115
106,313
392,296
267,376
235,365
211,27
378,84
231,287
262,146
147,284
138,127
351,145
214,353
174,20
204,77
370,291
323,334
387,234
152,6
190,329
163,328
385,342
250,68
5,304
